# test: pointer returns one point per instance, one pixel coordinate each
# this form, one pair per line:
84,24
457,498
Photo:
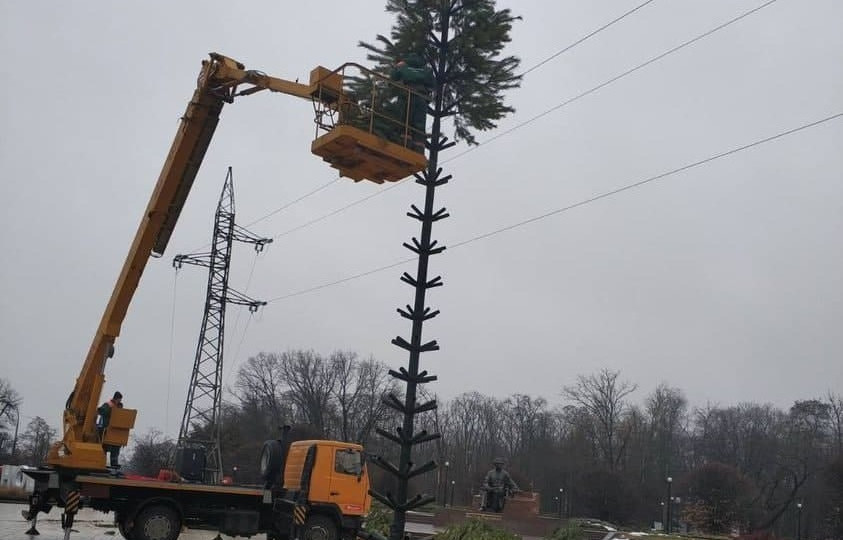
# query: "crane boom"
80,447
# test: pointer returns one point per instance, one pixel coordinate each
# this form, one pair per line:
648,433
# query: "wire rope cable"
585,37
578,204
556,107
170,362
614,79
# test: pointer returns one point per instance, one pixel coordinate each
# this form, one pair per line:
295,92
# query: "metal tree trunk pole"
424,247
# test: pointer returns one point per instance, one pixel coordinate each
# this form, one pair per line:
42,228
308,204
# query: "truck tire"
270,462
123,527
156,522
318,527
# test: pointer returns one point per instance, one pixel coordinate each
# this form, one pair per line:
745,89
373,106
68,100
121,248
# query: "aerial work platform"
363,124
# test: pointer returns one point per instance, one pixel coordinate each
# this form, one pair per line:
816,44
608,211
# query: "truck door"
349,484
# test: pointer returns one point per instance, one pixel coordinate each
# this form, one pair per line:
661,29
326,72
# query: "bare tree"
471,435
358,392
260,383
603,396
10,400
36,440
311,381
835,408
719,498
521,422
799,445
666,410
151,453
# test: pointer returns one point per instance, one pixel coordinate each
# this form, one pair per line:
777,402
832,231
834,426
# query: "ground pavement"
93,525
89,525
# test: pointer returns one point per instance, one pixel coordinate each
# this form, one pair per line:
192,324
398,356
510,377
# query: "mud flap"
299,519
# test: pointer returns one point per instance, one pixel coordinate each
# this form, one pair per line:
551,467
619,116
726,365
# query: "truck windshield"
348,461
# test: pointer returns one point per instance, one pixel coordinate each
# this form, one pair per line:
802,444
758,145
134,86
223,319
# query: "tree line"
21,443
600,452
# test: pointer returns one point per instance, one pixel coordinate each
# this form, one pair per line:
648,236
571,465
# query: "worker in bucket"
412,71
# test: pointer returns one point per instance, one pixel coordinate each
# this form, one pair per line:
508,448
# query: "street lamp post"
561,499
799,521
453,484
445,484
669,504
15,439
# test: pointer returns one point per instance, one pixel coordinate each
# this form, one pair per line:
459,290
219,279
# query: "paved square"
89,524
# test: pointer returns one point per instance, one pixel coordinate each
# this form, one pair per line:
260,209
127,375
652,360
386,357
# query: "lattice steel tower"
200,425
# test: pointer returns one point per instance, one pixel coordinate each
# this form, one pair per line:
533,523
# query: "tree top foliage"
470,74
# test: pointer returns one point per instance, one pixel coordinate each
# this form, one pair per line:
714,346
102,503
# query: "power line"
170,363
236,356
648,180
343,280
587,36
291,203
360,201
548,111
280,208
614,79
229,365
335,212
577,204
533,68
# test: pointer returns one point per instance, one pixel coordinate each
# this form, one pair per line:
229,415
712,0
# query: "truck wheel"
156,522
320,528
123,527
270,464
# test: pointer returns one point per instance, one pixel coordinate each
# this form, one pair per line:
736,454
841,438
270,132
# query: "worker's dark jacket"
418,77
104,411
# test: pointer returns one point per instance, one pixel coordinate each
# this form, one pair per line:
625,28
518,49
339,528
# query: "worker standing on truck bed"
102,423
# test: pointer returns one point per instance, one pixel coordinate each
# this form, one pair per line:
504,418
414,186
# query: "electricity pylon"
200,425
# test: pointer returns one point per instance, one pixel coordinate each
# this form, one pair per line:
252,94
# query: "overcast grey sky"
723,280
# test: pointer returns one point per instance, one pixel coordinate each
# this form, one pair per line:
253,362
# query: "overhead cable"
586,37
614,79
545,113
578,204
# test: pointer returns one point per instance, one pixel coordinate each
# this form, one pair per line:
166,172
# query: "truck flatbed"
114,481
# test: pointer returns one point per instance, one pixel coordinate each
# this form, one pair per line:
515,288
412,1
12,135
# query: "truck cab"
331,472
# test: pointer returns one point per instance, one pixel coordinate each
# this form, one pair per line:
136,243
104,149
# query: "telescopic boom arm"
219,79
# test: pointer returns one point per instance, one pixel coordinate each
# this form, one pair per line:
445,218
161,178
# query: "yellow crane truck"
319,487
315,490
